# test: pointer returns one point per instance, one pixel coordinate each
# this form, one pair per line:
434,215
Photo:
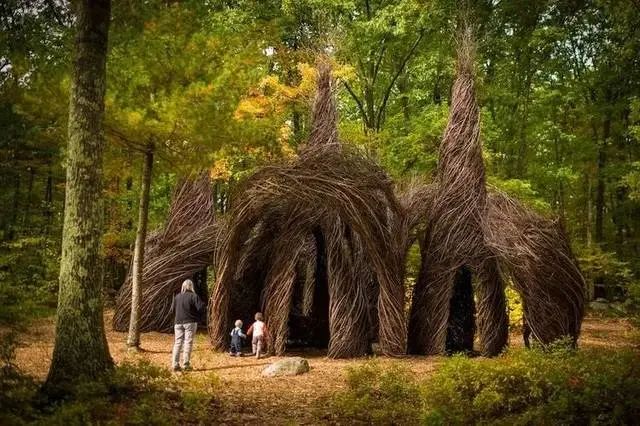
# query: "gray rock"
287,367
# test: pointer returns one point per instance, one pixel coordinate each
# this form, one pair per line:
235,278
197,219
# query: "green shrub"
142,389
133,378
133,393
515,307
556,386
532,386
149,410
604,267
28,279
16,389
379,396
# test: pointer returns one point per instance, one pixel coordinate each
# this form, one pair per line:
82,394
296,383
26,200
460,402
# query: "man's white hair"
187,285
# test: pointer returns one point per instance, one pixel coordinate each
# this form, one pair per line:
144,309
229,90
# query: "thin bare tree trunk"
600,185
26,213
133,340
11,228
48,202
589,211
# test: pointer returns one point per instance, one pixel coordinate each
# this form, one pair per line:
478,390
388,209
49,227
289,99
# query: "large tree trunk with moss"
133,341
81,349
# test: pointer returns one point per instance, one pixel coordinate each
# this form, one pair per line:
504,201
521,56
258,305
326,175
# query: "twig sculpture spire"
311,239
473,233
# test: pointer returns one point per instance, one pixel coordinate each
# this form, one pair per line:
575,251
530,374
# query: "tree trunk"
296,119
133,341
404,103
369,121
13,222
589,212
48,203
26,212
81,349
560,198
600,186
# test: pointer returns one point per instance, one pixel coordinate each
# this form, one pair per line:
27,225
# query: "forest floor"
244,396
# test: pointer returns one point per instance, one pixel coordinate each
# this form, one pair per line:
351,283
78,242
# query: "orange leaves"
220,170
273,97
284,135
254,106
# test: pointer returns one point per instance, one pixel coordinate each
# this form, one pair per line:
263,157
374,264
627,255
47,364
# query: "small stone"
287,367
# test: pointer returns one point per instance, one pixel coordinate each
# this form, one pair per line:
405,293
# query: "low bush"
378,395
133,393
28,280
16,389
558,386
525,387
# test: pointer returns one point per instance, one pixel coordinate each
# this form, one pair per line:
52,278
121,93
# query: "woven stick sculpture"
314,237
184,247
490,236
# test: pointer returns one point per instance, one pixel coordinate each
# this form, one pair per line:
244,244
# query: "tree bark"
589,212
600,185
133,340
11,228
296,119
81,349
26,212
48,202
404,103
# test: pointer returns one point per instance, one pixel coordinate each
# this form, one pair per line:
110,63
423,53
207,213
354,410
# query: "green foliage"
380,396
134,393
633,295
552,79
604,267
515,308
16,389
524,387
523,191
555,386
28,279
632,181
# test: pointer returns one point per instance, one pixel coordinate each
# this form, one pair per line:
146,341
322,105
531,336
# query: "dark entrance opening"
309,316
308,321
200,286
246,293
461,326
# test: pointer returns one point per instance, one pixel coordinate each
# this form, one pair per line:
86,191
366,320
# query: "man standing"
188,308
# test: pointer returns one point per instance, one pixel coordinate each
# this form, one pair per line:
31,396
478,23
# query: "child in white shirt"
259,331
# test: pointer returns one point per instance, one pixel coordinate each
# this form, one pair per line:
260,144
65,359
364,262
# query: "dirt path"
246,396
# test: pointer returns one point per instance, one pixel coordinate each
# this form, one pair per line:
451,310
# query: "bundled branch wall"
319,244
182,248
333,210
489,236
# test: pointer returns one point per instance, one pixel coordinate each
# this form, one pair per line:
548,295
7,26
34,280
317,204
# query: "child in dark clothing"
236,339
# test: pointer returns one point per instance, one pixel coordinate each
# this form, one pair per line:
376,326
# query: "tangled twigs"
340,202
182,248
493,237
